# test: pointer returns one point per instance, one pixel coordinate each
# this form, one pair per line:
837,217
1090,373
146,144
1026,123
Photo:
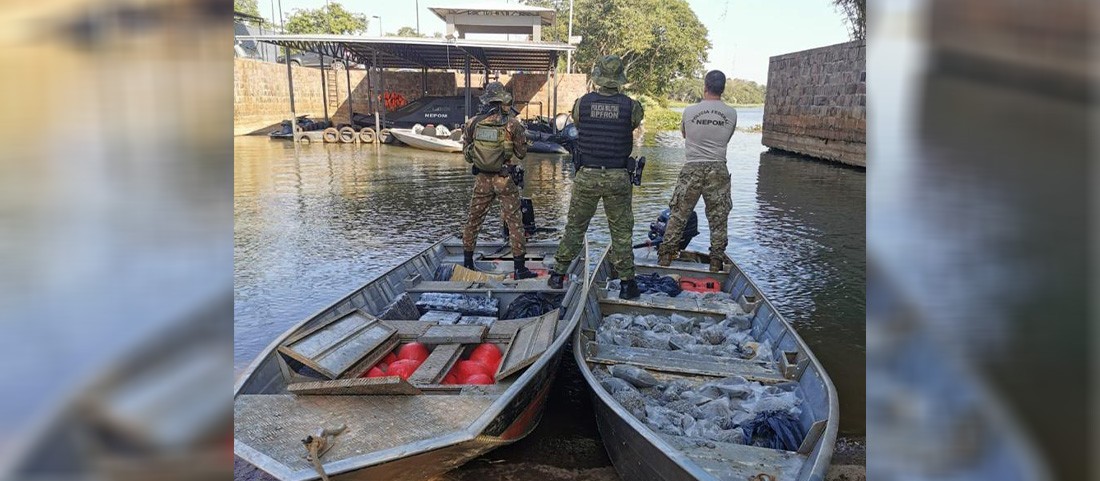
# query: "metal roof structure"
430,53
547,14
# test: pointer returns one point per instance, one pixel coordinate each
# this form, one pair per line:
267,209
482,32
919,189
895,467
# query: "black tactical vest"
605,132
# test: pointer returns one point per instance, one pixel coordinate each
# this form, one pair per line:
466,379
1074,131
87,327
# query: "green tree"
332,18
855,13
407,32
559,31
250,7
659,40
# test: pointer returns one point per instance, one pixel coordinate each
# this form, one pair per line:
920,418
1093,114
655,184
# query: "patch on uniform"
604,111
487,134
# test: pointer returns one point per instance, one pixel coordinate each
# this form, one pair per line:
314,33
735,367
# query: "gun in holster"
635,166
516,172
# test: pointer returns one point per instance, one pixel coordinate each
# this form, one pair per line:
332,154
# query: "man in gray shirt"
707,128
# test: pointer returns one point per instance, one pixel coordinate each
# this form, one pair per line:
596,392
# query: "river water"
313,223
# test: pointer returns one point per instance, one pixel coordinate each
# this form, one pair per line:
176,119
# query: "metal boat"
640,453
413,139
404,437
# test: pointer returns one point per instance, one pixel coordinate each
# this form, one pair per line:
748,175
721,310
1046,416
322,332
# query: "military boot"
468,259
664,260
521,270
556,281
716,264
629,289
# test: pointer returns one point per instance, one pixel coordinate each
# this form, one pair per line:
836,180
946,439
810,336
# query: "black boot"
629,289
468,259
521,270
556,281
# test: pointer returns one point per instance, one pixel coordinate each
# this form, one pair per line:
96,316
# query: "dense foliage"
855,13
659,40
738,91
407,32
249,7
332,18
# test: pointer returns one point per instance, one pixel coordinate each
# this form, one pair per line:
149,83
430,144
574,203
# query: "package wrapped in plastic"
655,340
634,375
775,430
735,387
681,323
614,385
632,401
714,335
617,321
718,408
740,322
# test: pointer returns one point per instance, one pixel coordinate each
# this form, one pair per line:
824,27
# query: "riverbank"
672,104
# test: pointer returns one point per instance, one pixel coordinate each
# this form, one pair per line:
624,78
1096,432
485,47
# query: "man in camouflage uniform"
490,142
605,121
707,128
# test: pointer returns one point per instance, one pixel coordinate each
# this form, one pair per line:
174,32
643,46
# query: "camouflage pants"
589,186
486,188
711,180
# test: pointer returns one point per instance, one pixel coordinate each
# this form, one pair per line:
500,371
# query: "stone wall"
261,97
816,103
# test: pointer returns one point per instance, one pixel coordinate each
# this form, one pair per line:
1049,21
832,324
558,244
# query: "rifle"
635,167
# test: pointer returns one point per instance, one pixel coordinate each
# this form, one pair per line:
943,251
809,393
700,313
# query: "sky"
744,33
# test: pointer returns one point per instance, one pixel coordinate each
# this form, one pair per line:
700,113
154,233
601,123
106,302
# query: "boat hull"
512,417
638,453
426,143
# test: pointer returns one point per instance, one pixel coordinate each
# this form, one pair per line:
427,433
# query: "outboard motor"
657,230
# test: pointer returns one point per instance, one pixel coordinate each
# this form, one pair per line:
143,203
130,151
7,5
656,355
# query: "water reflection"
316,222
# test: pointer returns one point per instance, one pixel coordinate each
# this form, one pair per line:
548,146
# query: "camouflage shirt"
513,131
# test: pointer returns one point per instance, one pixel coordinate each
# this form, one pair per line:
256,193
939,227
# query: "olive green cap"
494,92
609,72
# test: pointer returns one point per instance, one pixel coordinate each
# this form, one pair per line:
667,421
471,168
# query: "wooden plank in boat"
612,306
522,285
529,342
728,461
388,385
372,358
505,329
410,329
681,362
453,334
340,345
816,430
432,370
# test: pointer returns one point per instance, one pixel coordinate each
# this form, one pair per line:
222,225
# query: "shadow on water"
311,224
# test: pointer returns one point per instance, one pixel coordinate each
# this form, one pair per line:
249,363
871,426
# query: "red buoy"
450,378
375,372
390,358
404,368
413,350
479,379
465,369
486,353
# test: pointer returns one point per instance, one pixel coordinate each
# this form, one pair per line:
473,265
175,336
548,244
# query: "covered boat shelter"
451,53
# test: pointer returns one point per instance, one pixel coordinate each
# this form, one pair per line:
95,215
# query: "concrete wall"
261,96
816,103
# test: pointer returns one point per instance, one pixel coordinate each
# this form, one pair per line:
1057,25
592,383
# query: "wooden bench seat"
683,362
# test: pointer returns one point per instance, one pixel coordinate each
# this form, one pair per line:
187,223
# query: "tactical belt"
602,167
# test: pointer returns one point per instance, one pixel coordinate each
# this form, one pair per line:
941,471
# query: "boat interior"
314,376
790,365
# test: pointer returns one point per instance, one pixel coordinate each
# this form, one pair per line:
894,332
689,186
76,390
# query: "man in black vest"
605,121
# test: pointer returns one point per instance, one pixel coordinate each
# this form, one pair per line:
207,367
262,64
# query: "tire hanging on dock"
366,135
330,135
385,136
348,135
